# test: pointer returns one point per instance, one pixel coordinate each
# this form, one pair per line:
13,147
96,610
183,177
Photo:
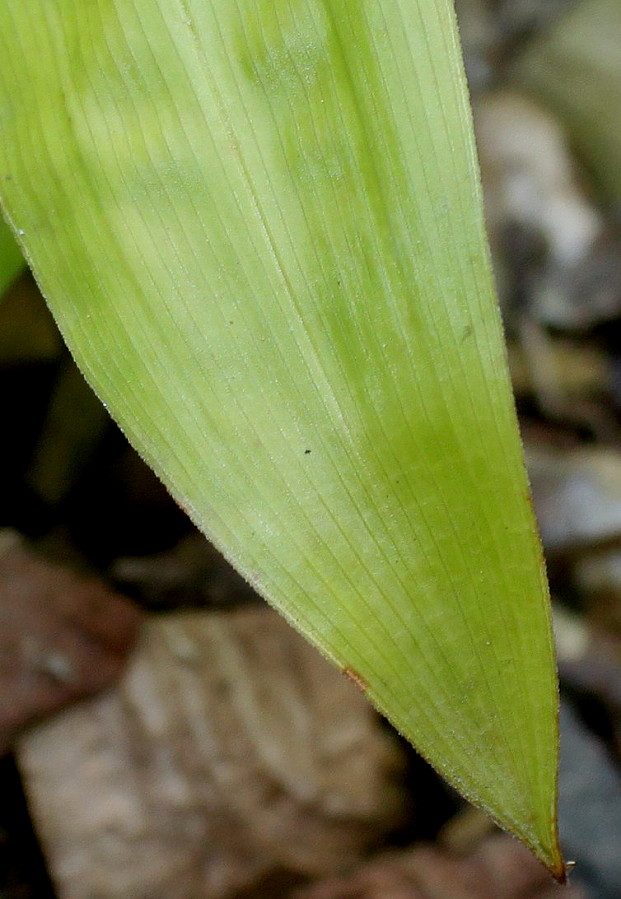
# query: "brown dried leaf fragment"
499,868
63,636
230,753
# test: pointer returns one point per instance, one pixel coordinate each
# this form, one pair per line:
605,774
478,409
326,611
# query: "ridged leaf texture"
258,224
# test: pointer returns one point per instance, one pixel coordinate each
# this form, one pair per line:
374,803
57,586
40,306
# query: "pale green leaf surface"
258,224
11,259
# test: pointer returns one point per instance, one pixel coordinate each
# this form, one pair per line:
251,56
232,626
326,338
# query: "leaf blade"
269,259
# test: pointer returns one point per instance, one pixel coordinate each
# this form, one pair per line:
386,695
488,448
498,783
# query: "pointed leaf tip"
259,227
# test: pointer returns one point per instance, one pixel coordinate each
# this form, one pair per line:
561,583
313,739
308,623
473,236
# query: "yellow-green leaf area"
259,227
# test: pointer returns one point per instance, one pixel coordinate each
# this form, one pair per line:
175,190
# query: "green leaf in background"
11,259
259,226
576,70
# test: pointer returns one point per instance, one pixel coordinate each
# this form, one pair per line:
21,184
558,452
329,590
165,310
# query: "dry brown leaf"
230,751
500,868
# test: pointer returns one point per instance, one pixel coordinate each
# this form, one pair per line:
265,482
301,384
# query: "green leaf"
259,226
11,259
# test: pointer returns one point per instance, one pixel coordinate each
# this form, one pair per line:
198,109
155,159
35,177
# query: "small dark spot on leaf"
467,332
307,452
